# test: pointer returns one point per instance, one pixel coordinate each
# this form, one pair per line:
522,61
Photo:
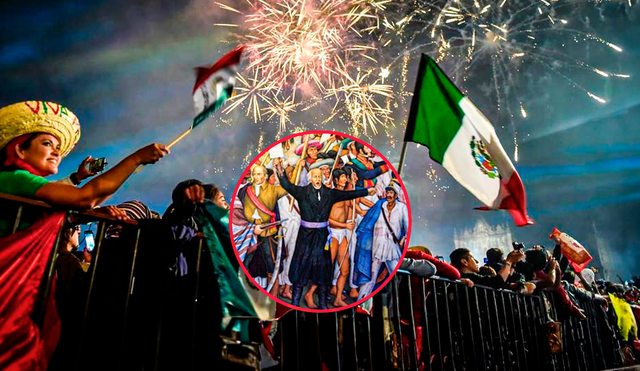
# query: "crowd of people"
538,269
35,136
326,221
326,217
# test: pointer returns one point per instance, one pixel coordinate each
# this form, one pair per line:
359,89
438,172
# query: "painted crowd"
320,221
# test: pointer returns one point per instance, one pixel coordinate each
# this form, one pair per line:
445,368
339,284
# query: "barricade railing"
415,323
106,329
439,324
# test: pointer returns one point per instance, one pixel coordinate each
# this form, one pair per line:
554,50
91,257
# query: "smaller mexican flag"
461,139
214,85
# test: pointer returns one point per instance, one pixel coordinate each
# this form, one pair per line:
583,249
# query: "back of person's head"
495,255
210,191
136,210
536,259
424,249
487,271
457,255
569,276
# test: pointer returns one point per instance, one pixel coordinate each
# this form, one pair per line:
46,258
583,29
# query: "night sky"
126,69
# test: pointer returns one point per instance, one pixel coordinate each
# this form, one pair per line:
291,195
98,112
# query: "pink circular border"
244,269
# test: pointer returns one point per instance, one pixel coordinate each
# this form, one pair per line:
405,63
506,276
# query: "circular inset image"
320,221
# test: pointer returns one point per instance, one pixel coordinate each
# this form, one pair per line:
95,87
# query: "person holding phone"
70,294
34,138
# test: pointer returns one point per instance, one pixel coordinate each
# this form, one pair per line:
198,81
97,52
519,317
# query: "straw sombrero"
39,117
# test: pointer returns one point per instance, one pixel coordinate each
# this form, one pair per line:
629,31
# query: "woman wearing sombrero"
34,137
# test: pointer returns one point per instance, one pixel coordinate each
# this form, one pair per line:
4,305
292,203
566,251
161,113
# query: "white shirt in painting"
384,248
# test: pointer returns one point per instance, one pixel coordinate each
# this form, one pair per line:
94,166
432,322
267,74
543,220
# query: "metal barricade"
415,324
439,324
108,334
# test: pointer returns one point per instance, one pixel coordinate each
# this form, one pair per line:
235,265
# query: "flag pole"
403,154
179,137
173,143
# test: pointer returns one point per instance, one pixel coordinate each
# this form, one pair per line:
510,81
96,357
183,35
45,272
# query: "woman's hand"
151,153
83,170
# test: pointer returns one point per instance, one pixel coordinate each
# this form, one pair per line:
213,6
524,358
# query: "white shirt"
384,248
256,188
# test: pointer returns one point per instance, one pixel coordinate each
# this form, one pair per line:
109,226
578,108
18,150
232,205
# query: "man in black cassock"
311,262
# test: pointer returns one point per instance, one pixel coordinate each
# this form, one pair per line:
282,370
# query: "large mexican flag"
461,139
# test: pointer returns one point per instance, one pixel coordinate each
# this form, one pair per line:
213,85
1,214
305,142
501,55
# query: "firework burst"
506,38
299,50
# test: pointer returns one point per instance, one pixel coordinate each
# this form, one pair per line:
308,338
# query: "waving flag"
214,85
461,139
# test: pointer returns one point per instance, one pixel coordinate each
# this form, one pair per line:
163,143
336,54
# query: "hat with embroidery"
39,117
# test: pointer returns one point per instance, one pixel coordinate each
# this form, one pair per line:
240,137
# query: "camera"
517,245
97,165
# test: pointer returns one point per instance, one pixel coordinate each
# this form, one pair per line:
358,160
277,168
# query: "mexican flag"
461,139
214,85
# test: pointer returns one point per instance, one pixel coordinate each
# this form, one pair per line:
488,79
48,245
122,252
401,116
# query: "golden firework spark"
299,50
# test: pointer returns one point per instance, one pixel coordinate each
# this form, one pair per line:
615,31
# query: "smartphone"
98,165
89,240
517,245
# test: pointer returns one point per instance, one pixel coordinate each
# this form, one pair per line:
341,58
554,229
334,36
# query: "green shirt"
23,184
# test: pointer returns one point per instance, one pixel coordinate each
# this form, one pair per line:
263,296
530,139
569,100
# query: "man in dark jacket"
311,262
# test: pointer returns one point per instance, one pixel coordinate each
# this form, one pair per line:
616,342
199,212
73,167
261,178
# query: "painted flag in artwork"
214,85
461,138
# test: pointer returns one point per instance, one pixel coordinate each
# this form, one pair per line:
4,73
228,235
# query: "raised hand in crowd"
194,194
151,153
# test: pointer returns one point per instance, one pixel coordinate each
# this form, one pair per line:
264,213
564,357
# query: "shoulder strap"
252,196
395,239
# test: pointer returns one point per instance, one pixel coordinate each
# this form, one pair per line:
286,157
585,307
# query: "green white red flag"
214,85
461,138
